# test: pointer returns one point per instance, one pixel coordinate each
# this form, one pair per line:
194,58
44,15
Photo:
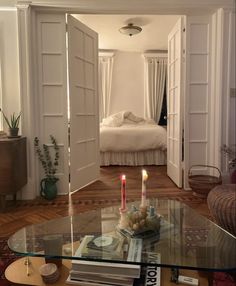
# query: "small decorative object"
27,263
123,223
103,243
48,184
142,222
53,247
49,273
231,154
13,124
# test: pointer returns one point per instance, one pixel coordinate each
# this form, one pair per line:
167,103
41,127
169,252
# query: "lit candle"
123,192
144,191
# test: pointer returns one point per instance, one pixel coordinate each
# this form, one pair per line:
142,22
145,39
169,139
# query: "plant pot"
13,132
48,188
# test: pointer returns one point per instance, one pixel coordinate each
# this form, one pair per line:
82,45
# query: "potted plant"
48,188
13,123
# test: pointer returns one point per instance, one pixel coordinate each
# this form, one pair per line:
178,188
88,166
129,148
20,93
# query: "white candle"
144,190
123,192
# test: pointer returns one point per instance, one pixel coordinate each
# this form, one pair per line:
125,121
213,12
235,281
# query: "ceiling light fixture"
130,30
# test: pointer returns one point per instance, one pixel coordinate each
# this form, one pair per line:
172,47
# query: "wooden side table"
13,167
16,272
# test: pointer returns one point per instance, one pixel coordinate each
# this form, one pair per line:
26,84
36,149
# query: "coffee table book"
100,273
116,268
124,270
98,279
113,250
84,283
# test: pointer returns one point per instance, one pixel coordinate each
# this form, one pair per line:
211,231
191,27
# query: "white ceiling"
155,30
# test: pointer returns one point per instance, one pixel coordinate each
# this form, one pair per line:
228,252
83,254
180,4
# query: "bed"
126,139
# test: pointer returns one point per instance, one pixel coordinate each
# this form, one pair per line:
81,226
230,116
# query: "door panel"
51,97
174,93
199,142
84,123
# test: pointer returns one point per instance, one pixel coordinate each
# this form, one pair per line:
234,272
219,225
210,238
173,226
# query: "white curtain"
104,84
155,76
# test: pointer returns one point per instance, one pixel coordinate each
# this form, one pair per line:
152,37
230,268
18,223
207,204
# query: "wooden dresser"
13,167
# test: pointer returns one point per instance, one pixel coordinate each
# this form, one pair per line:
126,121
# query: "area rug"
84,201
6,258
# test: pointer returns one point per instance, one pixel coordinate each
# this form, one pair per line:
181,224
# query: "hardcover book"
111,279
95,267
104,243
85,283
106,247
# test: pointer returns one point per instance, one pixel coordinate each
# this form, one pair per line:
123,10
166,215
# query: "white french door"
83,95
174,97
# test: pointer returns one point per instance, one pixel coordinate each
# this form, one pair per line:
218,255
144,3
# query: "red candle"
123,192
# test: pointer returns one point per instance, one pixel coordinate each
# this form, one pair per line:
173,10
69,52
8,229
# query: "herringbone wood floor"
104,192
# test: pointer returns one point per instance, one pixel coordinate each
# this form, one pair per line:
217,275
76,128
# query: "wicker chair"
221,201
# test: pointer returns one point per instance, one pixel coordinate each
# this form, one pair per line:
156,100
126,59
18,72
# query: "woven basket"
202,184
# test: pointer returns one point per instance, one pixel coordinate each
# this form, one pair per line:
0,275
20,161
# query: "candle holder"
142,222
123,222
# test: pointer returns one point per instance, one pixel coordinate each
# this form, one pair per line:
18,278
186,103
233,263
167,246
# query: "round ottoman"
222,204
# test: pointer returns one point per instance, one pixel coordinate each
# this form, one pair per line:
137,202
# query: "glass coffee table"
184,240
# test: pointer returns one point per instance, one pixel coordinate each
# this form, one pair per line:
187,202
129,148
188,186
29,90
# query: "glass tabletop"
166,233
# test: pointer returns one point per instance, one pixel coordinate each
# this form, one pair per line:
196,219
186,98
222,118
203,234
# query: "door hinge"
183,29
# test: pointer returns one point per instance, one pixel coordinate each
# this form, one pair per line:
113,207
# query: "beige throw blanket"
124,117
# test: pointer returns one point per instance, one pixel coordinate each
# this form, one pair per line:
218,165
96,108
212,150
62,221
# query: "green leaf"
14,120
49,164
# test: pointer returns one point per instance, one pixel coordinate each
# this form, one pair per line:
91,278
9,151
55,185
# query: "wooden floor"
104,192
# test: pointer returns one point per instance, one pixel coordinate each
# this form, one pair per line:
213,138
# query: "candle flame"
123,177
145,175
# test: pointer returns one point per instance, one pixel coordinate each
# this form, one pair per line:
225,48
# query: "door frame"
28,75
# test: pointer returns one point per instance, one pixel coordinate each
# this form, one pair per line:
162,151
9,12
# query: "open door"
174,96
83,97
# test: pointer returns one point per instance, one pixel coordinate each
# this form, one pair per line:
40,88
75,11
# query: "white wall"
9,62
127,91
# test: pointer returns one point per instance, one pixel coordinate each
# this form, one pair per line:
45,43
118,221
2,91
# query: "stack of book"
88,272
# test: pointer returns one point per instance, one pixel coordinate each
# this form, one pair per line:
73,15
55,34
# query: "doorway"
58,64
128,86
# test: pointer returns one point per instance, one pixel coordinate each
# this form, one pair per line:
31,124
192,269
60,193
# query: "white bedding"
125,117
132,137
139,158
